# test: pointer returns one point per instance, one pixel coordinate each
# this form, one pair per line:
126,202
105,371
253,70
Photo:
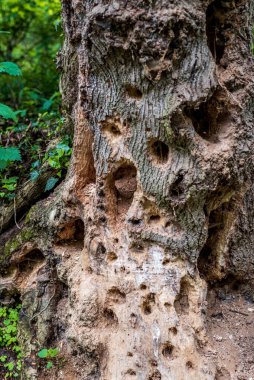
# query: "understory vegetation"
31,133
32,137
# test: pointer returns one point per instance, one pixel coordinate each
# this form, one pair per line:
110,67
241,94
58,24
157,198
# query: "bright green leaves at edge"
48,353
11,357
12,69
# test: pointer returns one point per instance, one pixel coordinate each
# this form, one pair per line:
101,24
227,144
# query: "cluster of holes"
159,151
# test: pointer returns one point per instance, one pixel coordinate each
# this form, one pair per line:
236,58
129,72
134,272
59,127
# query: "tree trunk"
144,266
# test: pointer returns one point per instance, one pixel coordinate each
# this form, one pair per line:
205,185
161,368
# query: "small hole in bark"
115,295
131,372
129,354
133,92
111,256
146,308
165,261
159,151
181,303
173,330
155,376
167,350
135,222
110,315
110,126
147,303
154,219
189,364
143,287
177,189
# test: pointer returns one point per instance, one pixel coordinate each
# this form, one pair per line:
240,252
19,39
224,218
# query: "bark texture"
144,256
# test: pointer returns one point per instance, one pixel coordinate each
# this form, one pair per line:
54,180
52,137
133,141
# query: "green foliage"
49,353
10,350
32,41
10,68
7,113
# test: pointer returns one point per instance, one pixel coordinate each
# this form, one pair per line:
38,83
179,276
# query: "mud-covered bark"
145,252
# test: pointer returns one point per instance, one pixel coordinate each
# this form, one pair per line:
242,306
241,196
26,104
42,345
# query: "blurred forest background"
30,120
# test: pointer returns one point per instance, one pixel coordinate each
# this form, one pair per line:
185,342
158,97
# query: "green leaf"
10,68
34,175
7,113
53,352
3,164
49,365
10,154
51,182
43,353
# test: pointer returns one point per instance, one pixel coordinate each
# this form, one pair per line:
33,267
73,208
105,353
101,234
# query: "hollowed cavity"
31,260
122,185
211,117
72,232
133,92
159,151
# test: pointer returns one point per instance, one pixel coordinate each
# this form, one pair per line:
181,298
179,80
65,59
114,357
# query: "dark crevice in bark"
219,221
216,28
181,303
211,117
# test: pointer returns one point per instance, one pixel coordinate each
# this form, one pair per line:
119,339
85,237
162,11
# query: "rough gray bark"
155,220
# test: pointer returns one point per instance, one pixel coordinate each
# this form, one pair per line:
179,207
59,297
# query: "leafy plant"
10,350
49,353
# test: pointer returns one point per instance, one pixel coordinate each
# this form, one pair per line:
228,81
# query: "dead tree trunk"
148,245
